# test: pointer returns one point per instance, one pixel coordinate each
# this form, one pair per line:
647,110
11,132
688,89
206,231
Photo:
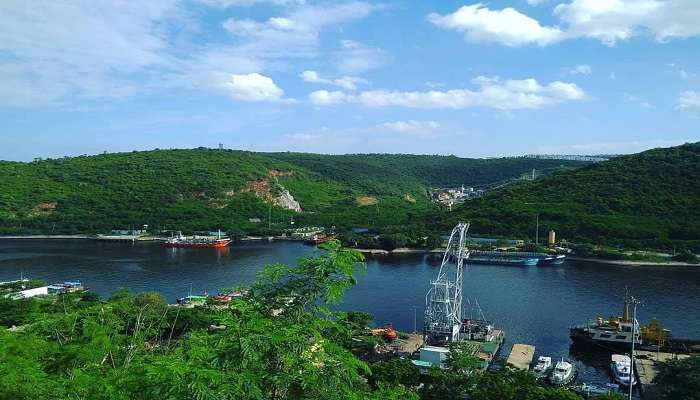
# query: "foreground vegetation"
281,342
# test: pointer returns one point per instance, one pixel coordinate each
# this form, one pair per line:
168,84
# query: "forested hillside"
205,189
650,199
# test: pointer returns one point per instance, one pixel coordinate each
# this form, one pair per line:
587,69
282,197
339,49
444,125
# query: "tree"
394,372
680,379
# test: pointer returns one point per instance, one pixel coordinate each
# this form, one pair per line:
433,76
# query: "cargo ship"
179,240
501,258
515,258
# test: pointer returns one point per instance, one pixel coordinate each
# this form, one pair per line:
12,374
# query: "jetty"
646,365
521,356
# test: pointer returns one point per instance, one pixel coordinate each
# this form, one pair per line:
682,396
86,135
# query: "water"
535,305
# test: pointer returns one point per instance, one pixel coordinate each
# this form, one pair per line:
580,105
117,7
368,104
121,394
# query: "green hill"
204,189
650,199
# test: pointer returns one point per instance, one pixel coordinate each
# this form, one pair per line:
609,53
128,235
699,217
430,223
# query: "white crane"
443,302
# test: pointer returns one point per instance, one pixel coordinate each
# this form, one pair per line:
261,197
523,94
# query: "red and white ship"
197,241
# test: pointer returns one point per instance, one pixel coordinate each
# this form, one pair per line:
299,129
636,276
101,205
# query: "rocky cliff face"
286,200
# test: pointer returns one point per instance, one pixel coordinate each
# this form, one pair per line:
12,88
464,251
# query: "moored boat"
621,368
591,390
501,258
543,367
617,333
563,374
197,242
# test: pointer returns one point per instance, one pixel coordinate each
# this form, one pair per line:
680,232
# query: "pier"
645,363
521,356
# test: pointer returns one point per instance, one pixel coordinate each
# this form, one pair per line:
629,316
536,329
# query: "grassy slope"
204,189
647,199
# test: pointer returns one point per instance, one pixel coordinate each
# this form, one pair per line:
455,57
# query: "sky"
495,78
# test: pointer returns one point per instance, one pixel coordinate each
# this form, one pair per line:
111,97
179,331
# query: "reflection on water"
535,305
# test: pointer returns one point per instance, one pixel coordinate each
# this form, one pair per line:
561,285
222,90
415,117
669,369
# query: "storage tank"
551,238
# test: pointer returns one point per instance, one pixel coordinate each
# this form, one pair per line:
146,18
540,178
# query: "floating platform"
521,356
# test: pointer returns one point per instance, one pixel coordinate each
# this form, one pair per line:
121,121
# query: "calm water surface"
535,305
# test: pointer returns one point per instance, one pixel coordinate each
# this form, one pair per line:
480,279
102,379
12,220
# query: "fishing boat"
563,374
543,367
319,238
179,240
621,368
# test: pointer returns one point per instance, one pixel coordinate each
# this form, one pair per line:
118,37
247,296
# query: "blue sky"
450,77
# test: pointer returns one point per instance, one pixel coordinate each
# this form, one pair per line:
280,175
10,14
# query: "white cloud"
246,3
579,70
508,26
252,87
355,58
493,93
689,101
613,20
67,52
411,126
609,21
345,82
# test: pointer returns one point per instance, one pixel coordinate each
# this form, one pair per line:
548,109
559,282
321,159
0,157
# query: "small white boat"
621,367
543,367
564,373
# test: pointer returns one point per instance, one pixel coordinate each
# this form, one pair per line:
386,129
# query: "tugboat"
564,373
616,333
621,370
543,367
198,242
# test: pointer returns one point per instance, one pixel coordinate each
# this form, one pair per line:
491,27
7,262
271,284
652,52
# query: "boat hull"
213,245
582,339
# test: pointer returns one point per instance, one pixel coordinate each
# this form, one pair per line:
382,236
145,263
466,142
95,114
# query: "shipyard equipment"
443,302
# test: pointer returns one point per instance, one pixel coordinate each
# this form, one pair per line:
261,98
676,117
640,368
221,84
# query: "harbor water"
535,305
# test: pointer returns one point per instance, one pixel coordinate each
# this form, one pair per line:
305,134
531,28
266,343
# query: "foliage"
204,189
645,200
680,379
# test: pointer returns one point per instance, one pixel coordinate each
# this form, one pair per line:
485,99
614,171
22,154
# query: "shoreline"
631,263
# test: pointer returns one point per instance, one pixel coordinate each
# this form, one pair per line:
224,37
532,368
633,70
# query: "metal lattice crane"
443,302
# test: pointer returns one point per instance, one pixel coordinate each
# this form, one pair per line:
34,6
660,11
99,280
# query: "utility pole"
414,320
537,231
634,332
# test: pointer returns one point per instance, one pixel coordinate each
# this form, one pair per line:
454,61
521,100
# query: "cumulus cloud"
67,52
493,93
345,82
615,20
689,101
508,26
253,87
608,21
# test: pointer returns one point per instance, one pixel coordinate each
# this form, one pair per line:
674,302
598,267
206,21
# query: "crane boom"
443,302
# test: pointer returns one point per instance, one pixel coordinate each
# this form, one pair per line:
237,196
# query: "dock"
521,356
645,363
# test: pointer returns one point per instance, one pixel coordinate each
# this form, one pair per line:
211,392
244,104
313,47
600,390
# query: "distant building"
254,220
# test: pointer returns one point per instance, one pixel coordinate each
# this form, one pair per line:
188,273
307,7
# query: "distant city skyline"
489,79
